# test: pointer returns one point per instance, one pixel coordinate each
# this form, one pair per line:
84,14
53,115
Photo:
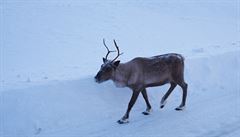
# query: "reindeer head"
109,66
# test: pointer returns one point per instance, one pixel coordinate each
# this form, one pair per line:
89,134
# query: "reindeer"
141,73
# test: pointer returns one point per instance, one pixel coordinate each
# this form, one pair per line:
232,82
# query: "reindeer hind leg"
164,98
184,87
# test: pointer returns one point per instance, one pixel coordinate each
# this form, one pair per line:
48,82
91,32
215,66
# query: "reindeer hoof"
122,121
180,108
163,104
147,112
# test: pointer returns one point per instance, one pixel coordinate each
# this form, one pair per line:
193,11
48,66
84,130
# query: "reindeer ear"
104,60
116,63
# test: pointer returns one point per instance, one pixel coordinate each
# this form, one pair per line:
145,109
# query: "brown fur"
148,72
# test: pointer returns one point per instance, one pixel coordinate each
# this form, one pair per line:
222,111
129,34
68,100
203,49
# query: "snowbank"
42,41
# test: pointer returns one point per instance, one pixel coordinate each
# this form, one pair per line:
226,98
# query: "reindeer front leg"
134,97
145,96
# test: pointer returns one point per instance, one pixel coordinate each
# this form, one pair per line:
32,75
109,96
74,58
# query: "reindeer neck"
119,75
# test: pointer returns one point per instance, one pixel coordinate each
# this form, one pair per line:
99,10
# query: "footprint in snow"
28,80
198,50
216,46
38,131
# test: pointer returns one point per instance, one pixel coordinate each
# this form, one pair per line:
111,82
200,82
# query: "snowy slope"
45,40
50,51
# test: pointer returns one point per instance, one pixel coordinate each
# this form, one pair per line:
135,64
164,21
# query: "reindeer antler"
108,51
118,52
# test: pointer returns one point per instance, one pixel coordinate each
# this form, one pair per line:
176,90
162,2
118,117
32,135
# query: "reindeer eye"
108,69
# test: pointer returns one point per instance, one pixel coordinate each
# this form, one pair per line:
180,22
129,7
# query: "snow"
51,50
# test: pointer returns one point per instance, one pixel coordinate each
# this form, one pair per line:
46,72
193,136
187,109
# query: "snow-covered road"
84,108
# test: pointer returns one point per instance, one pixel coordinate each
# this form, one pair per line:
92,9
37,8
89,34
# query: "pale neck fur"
119,76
